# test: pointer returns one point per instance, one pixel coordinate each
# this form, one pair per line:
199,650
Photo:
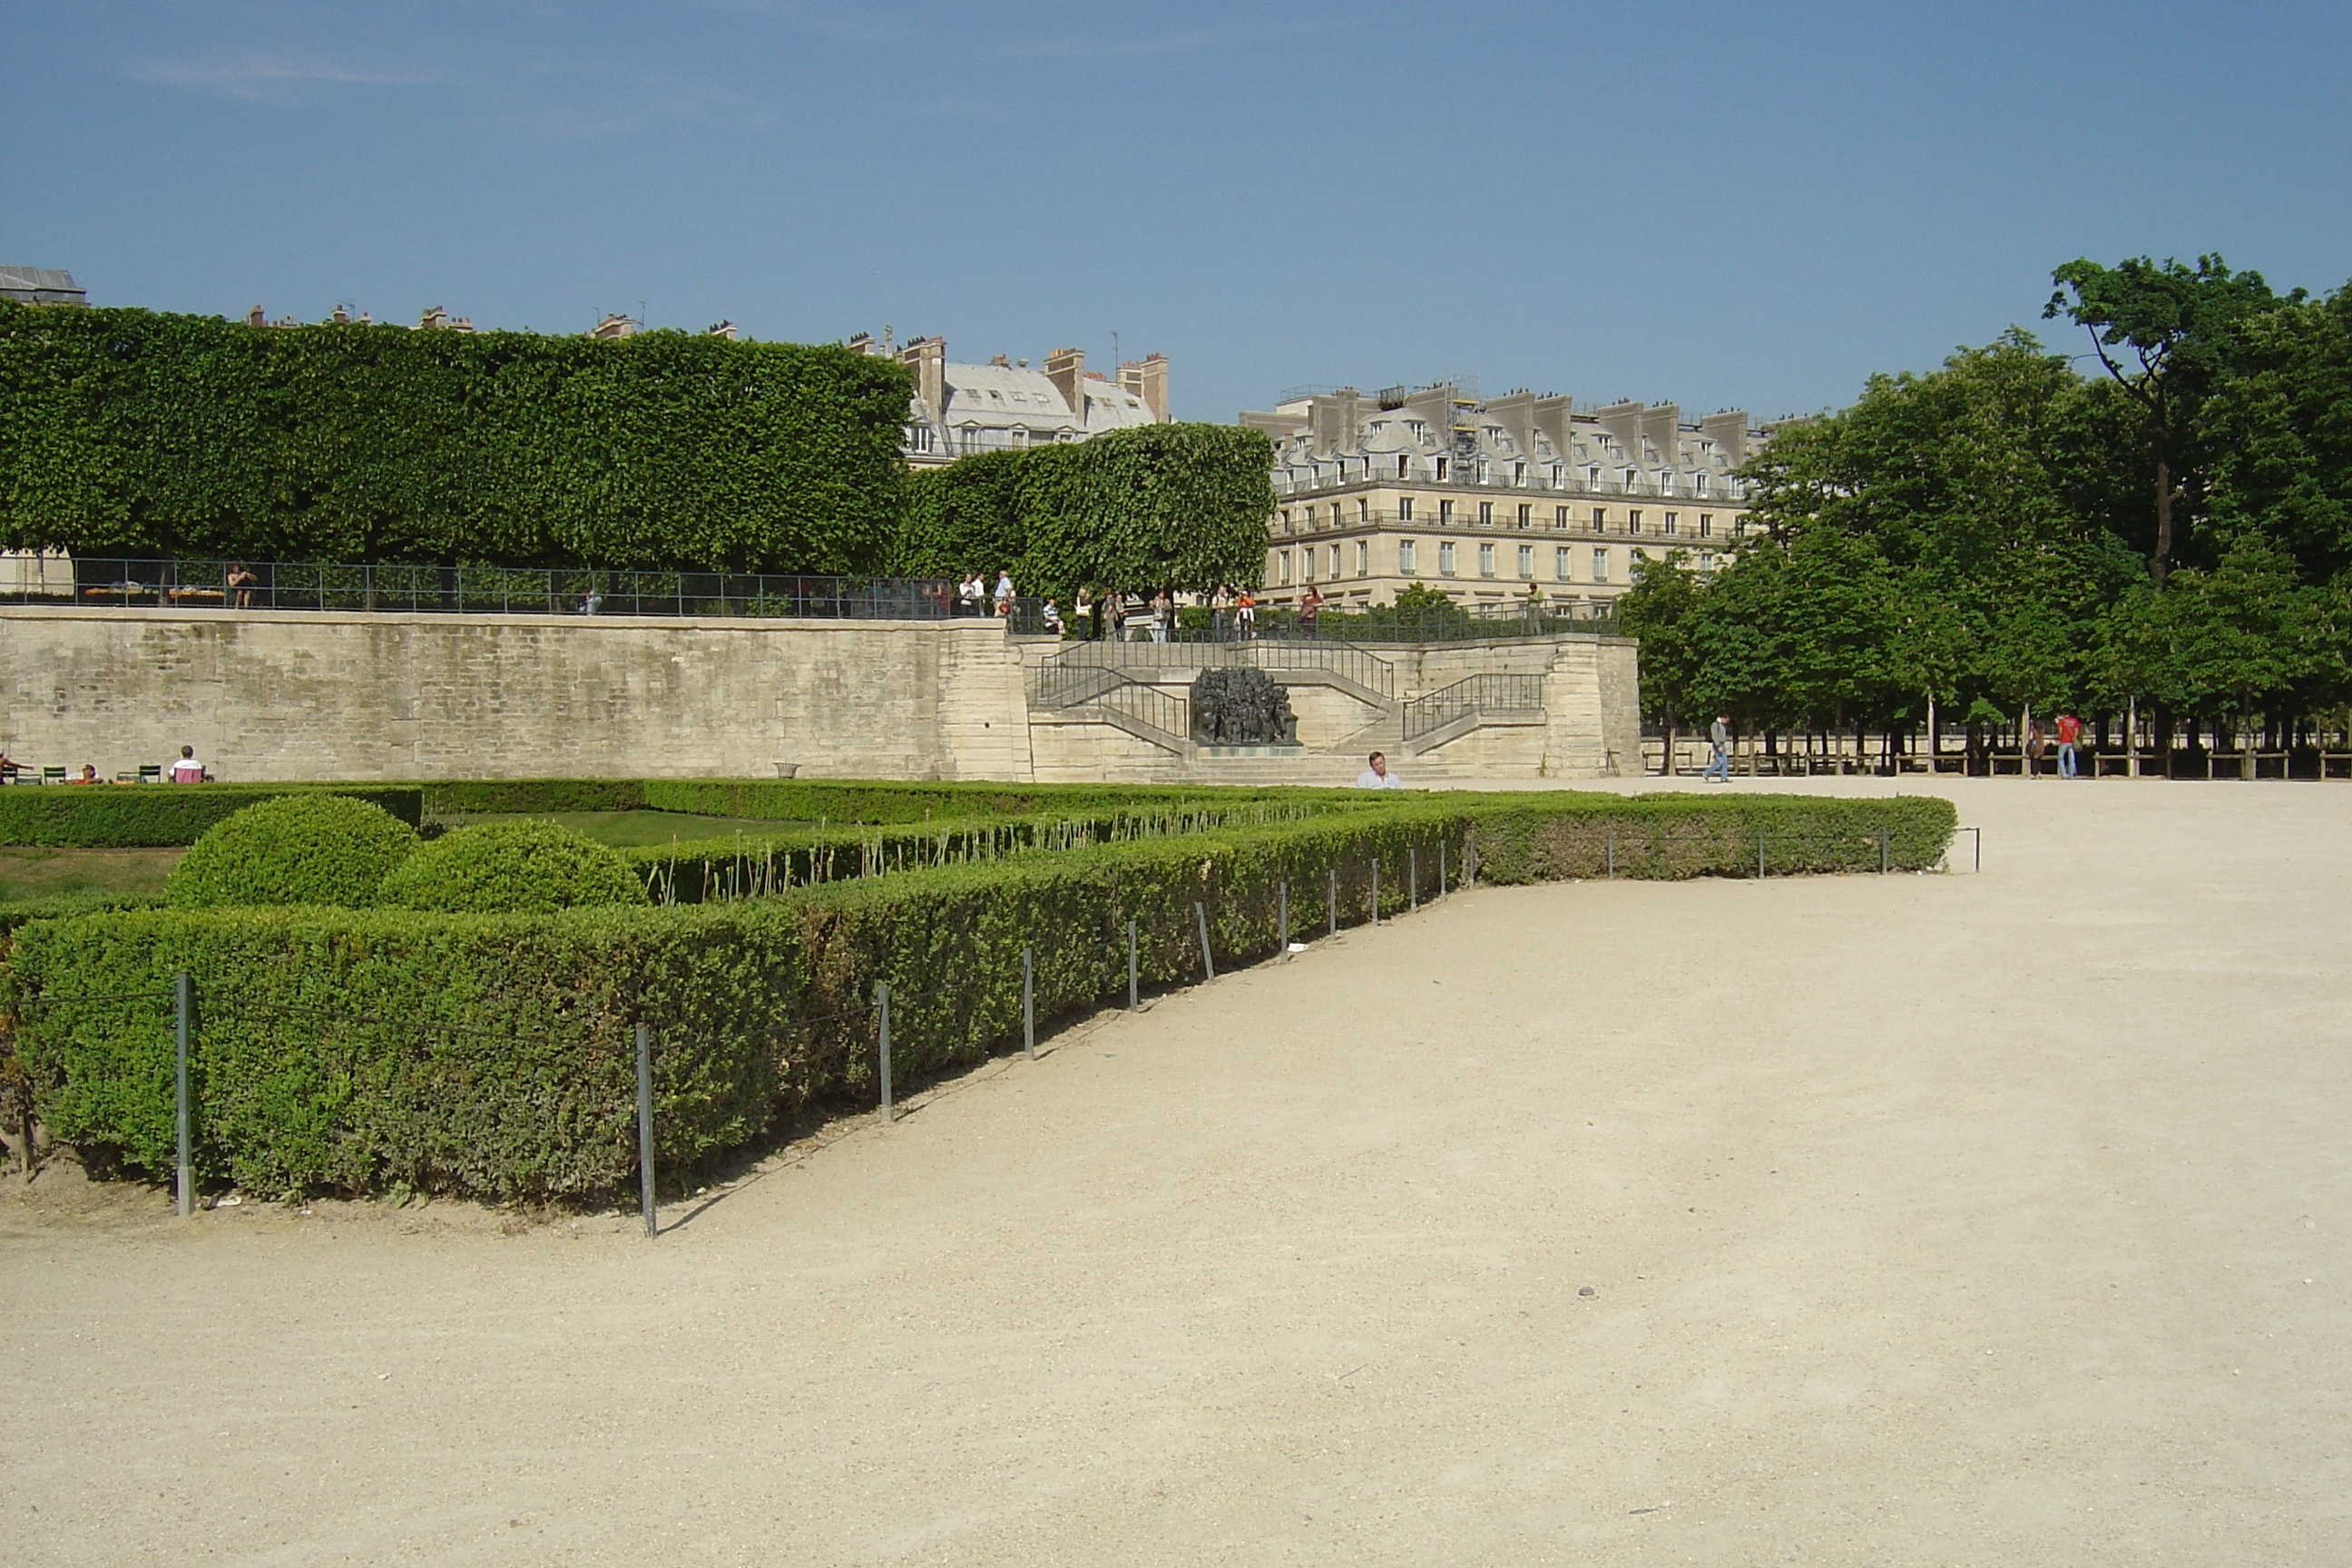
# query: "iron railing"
1202,651
492,590
1477,694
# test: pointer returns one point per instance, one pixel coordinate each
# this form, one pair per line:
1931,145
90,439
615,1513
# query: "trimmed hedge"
294,849
458,798
503,868
159,816
488,1055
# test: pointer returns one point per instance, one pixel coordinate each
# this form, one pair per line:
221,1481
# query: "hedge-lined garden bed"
491,1054
159,817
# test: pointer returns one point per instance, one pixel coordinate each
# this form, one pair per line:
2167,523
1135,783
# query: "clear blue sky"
1751,205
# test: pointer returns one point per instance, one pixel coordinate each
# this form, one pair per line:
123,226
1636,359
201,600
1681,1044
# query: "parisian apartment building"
1490,499
1007,405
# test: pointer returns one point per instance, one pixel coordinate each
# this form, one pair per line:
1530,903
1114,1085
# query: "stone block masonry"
269,696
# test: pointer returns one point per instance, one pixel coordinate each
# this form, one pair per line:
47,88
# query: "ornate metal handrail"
1476,694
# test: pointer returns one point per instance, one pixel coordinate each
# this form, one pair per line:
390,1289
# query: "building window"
1706,560
1698,484
1441,470
1445,558
1632,522
1527,514
1555,476
972,437
1286,520
1445,512
1527,561
1404,558
1600,566
1363,511
1485,476
1282,560
1739,528
1335,515
1561,564
1706,524
1600,519
1670,525
1335,561
1402,465
1485,561
1404,509
918,438
1518,473
1363,558
1306,564
1560,518
1485,515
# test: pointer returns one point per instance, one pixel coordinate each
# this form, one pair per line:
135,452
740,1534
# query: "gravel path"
1967,1220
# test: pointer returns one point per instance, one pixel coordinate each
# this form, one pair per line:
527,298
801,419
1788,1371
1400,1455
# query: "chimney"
863,344
433,318
256,317
1331,419
1662,424
1551,417
1729,431
1066,368
720,330
1148,379
1624,421
928,358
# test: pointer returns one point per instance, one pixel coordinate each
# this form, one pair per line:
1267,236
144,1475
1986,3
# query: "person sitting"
240,586
187,770
9,768
1377,776
1051,616
89,775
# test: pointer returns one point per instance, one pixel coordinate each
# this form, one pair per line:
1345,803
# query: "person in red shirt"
2070,730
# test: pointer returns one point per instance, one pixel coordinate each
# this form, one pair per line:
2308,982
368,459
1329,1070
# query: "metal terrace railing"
1477,694
1199,649
483,590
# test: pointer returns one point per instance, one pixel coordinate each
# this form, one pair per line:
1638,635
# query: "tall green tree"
1662,610
2165,334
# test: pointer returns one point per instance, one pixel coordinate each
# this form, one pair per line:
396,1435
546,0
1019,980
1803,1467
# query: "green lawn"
38,873
628,829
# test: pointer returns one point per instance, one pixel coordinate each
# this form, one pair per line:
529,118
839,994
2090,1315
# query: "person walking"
1719,741
1163,612
2033,744
2070,730
1310,606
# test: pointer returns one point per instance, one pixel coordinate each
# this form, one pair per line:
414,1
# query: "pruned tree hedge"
127,432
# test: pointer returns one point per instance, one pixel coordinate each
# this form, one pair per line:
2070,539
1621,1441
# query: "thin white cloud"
1191,41
259,77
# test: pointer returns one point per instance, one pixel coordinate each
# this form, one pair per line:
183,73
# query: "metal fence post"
1612,856
1376,891
645,1128
1470,858
1131,966
186,1175
1881,849
1331,899
1760,854
1441,868
1282,903
1029,1002
1413,879
1200,918
882,1007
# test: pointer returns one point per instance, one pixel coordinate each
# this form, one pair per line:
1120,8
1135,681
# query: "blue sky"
1752,206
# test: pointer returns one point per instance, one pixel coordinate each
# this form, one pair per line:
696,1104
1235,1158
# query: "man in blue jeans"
1718,740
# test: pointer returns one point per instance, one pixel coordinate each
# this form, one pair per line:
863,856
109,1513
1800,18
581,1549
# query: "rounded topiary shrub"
526,867
293,849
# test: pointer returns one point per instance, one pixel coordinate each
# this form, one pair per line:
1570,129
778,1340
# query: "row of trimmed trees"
2171,531
140,434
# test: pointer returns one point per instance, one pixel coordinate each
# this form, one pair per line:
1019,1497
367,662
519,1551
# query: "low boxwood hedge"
157,816
310,848
491,1054
503,868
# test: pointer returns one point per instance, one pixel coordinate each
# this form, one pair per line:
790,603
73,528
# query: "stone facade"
1487,499
267,695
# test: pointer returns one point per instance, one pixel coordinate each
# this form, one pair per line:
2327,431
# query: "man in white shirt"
187,770
1377,776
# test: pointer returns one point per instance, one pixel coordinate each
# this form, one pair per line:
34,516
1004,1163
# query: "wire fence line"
609,1079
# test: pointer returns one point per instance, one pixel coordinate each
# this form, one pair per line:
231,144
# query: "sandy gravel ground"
1997,1219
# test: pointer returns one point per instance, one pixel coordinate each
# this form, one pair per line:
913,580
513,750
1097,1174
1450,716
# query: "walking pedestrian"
1163,614
1719,741
1310,605
2033,744
2070,730
1004,591
1245,614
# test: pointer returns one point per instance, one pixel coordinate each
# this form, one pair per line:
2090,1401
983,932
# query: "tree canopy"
2000,533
